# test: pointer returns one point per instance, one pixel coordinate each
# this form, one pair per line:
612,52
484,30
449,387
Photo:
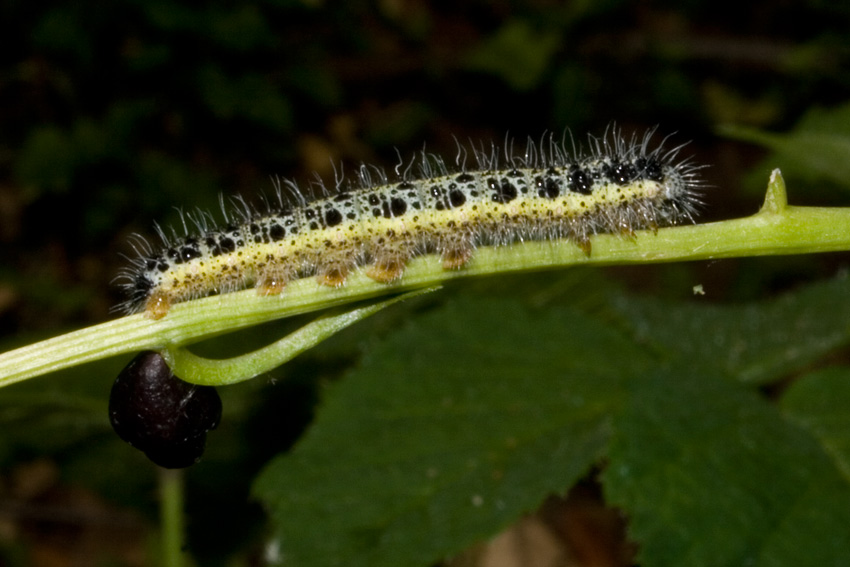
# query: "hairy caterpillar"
619,186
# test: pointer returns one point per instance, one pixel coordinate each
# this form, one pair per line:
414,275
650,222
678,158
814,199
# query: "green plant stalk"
198,370
777,229
171,520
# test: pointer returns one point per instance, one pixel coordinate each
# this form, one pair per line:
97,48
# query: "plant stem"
207,372
777,229
171,516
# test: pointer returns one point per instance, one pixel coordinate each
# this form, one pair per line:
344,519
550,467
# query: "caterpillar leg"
271,285
626,231
386,270
157,305
333,276
456,257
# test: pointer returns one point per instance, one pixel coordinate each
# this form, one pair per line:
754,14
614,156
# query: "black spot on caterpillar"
618,186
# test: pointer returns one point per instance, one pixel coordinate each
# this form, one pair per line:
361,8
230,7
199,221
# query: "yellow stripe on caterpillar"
620,186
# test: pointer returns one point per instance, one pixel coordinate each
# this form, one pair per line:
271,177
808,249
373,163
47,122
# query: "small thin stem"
208,372
172,524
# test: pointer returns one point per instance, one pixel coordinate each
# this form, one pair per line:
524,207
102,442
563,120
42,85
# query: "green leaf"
250,96
162,177
240,28
62,30
816,149
819,403
710,474
448,432
516,53
455,426
754,343
47,161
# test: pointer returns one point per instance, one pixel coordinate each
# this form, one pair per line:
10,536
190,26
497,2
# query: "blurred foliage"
458,423
814,153
113,114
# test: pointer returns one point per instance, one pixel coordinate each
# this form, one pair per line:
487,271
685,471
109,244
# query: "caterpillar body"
618,186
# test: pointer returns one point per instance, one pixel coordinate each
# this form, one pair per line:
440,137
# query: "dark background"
114,115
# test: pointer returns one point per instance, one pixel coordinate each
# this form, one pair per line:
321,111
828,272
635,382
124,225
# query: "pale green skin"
385,226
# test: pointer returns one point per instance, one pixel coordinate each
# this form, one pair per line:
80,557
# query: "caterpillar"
618,185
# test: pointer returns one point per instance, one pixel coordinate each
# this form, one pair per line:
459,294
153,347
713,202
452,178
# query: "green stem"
777,229
206,372
171,516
